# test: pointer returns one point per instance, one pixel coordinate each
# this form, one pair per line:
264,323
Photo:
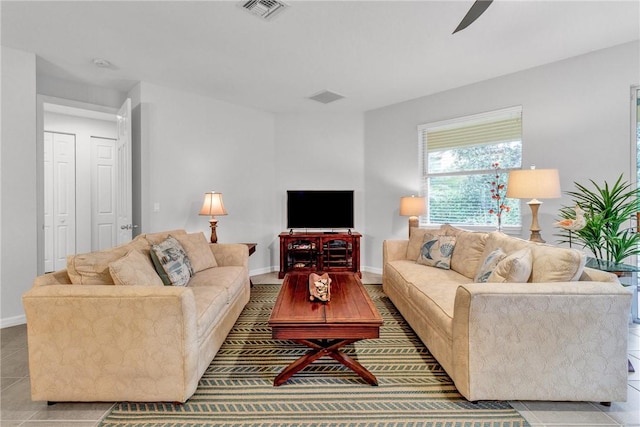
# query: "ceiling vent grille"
326,96
265,9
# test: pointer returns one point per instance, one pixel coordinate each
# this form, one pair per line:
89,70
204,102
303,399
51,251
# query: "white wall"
319,151
576,117
83,128
191,144
76,91
18,183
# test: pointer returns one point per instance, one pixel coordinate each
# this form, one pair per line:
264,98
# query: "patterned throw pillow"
171,262
436,251
488,265
515,268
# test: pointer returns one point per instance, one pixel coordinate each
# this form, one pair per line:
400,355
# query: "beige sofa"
106,329
560,334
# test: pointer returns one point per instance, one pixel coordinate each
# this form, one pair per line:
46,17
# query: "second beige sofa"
92,340
559,334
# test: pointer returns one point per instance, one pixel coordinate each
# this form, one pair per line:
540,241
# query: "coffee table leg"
355,366
325,348
298,365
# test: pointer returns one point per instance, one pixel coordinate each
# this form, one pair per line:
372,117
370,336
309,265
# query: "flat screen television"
319,209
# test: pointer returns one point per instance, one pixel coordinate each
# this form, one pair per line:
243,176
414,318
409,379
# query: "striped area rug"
237,388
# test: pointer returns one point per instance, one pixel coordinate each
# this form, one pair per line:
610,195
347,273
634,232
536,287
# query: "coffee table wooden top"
349,315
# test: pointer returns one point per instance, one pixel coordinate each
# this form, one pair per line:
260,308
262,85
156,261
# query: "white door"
60,196
123,166
103,193
48,202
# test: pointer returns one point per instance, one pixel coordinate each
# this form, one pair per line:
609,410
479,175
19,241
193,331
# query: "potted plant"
607,213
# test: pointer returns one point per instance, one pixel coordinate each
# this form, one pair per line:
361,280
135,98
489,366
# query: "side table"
622,271
252,250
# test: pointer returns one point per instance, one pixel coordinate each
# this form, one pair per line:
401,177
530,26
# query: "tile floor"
17,409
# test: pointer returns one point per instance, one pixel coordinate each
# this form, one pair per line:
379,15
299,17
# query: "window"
635,111
456,158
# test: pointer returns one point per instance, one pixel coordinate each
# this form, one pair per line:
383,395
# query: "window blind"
494,127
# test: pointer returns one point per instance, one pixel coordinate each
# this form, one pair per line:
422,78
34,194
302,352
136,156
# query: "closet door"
60,199
103,193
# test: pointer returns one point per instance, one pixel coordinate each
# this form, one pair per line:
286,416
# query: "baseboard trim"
374,270
12,321
263,270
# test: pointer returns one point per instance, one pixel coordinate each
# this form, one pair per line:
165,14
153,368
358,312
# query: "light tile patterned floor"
17,409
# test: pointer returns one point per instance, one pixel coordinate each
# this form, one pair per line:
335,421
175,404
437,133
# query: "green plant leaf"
608,211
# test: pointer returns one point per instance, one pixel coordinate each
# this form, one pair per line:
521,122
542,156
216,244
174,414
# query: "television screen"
319,209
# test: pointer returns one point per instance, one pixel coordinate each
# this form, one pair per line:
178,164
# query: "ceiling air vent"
265,9
326,96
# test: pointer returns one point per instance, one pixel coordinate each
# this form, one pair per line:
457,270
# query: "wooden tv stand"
319,252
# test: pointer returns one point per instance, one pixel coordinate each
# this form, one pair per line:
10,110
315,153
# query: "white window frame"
635,181
425,175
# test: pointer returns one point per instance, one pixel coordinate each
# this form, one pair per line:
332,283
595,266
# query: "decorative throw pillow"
436,251
488,265
135,268
171,262
515,268
197,248
415,241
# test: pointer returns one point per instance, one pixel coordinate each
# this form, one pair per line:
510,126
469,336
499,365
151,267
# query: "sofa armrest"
393,250
564,339
109,343
227,254
593,275
60,277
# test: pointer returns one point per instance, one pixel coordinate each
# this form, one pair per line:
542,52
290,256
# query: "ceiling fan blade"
474,13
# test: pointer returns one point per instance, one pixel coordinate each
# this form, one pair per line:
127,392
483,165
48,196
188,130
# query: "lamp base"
536,237
413,223
213,223
535,228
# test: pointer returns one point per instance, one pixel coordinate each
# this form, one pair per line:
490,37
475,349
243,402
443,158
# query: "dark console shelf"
319,252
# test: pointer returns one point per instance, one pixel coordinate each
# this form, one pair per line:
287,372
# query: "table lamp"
534,184
212,206
413,207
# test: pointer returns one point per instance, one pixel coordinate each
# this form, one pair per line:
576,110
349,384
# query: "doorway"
79,182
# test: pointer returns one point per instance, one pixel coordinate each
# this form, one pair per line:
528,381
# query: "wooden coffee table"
350,316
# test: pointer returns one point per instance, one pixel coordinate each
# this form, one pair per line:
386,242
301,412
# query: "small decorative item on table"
319,287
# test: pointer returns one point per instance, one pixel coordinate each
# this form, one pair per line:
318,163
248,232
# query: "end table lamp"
212,206
413,207
534,184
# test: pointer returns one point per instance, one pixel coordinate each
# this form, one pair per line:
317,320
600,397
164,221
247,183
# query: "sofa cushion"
406,271
134,269
497,240
550,263
468,253
171,262
554,264
92,268
416,240
514,268
489,265
436,251
155,238
211,303
219,286
231,278
197,248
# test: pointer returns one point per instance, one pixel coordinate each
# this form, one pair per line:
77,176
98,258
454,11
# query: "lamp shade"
212,204
533,184
412,206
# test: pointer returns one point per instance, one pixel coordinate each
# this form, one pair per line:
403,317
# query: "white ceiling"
375,53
